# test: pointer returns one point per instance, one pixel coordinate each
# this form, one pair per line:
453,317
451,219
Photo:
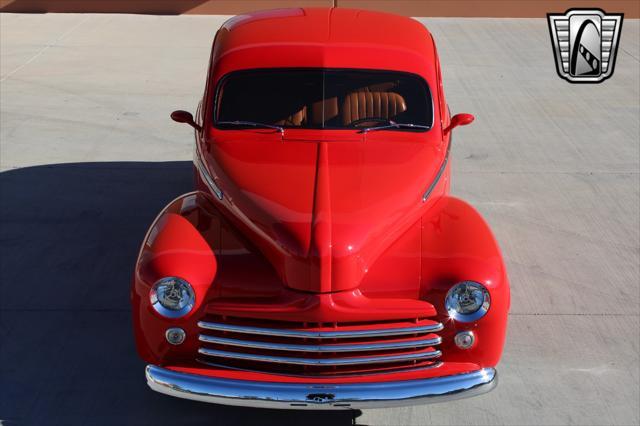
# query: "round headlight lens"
467,301
172,297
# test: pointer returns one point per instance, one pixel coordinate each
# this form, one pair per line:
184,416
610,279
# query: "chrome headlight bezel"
177,285
481,294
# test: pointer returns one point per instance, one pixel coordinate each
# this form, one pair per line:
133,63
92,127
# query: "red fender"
174,246
457,245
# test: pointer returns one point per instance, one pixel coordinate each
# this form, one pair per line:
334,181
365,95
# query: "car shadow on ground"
69,237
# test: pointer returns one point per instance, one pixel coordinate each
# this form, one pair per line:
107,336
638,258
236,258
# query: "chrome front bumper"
320,396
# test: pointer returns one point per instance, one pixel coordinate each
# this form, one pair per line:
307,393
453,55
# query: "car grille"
318,348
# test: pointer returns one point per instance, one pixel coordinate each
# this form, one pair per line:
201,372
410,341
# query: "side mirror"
461,119
181,116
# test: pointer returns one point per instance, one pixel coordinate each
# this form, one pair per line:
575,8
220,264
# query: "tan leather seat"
366,104
297,119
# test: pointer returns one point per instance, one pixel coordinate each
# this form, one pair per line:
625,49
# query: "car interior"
318,99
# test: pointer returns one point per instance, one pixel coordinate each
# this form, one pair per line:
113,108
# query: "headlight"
467,301
172,297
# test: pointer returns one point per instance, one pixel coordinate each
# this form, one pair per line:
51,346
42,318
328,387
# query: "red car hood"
323,211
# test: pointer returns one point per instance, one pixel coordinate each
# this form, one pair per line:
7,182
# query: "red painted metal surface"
322,229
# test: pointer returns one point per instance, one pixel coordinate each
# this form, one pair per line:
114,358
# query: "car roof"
324,38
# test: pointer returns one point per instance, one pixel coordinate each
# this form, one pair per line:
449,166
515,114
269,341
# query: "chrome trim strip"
322,361
319,395
197,161
321,334
431,187
356,347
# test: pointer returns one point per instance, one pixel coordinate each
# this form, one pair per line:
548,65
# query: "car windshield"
323,99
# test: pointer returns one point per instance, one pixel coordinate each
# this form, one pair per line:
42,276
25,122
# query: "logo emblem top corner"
585,43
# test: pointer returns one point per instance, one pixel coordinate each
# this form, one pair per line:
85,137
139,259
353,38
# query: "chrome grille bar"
423,355
356,347
434,364
342,334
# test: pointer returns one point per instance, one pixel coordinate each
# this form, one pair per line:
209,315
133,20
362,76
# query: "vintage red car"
321,262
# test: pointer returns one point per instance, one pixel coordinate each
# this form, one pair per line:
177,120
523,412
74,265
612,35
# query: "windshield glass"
323,99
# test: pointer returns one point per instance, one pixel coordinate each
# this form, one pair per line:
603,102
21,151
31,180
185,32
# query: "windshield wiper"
394,125
253,124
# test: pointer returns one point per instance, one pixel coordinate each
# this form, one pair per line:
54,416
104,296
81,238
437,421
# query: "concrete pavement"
88,156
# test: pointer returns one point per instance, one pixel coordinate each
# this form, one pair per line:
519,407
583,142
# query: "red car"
321,262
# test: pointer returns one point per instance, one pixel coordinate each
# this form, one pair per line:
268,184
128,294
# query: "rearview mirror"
181,116
461,119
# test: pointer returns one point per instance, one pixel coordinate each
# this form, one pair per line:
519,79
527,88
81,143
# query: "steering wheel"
380,120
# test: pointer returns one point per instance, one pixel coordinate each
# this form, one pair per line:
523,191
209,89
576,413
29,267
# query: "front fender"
457,245
179,243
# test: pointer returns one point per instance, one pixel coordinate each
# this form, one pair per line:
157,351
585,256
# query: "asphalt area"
89,156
